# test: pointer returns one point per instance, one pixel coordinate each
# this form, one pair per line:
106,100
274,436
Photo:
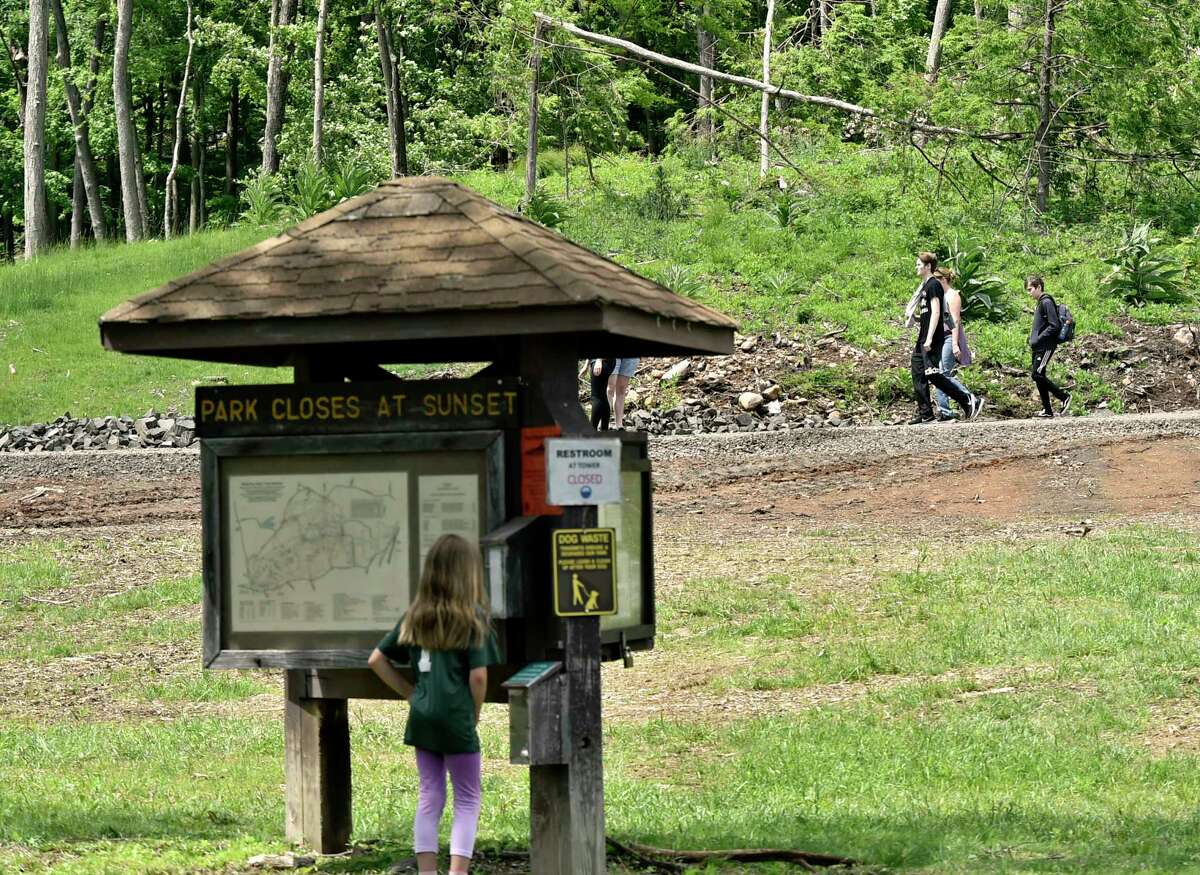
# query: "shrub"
545,209
662,201
1137,277
310,192
784,210
260,201
980,294
350,178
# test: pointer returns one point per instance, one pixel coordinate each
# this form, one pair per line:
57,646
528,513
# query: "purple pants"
465,770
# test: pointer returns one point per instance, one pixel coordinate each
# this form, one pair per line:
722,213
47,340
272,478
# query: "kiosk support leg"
567,802
316,738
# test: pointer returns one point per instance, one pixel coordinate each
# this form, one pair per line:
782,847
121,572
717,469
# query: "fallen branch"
766,88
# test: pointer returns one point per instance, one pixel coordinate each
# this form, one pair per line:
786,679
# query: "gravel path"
807,448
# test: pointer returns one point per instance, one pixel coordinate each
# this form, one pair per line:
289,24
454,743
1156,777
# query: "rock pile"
733,393
104,433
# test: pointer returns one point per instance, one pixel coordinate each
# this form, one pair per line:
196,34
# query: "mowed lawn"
1033,708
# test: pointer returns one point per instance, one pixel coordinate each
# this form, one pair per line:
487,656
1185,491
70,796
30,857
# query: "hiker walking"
599,370
925,311
618,387
1043,340
956,352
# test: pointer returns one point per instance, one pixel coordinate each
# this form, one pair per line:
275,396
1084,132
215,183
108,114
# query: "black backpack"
1066,322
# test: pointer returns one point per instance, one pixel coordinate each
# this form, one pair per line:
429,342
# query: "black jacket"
1046,324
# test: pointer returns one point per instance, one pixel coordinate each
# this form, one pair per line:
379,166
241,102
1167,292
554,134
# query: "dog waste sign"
585,579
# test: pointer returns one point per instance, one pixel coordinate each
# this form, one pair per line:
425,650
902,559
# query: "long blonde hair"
449,611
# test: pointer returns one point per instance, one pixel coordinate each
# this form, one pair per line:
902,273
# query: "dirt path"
980,475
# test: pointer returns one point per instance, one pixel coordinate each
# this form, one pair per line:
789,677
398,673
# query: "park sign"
320,499
351,408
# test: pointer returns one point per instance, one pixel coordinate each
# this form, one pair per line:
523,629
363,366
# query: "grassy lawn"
1030,708
845,263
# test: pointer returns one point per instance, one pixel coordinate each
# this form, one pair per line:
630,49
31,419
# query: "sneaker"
921,419
936,369
1043,414
1065,405
976,408
946,417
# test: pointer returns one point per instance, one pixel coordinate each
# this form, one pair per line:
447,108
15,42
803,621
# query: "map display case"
313,545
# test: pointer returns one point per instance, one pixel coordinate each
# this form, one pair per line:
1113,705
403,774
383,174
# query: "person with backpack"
925,311
1052,324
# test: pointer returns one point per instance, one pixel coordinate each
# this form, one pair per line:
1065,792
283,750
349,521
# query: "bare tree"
14,59
319,83
133,196
232,130
1044,138
706,50
282,13
395,98
763,144
85,167
170,205
196,214
941,17
37,229
979,10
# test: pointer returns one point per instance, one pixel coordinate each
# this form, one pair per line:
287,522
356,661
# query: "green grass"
999,725
846,263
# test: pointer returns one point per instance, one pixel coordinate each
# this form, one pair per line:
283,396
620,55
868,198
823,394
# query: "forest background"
1053,136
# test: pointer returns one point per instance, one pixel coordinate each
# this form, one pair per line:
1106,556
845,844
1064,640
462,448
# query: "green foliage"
1137,277
310,192
262,205
784,209
980,294
545,209
350,178
662,201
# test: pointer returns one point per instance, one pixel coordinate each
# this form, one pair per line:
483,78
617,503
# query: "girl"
447,638
955,352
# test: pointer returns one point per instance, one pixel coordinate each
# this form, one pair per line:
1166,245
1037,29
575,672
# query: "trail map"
318,551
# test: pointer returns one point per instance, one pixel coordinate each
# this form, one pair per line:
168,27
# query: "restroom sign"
583,470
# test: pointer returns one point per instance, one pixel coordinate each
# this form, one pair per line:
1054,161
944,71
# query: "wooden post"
531,147
316,732
567,802
316,740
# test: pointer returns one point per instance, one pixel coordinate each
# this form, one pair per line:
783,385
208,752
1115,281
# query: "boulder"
750,401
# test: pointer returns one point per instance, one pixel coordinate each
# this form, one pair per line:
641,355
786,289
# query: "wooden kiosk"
321,496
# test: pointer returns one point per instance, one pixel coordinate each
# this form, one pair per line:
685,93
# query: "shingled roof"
421,269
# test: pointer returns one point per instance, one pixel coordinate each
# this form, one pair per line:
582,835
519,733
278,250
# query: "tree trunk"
85,163
319,85
9,238
706,49
933,59
826,16
282,12
36,220
127,144
77,205
401,99
231,140
387,66
14,58
763,154
1016,16
169,201
531,141
979,10
196,215
1044,139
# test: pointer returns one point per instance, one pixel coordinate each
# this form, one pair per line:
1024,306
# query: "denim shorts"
626,367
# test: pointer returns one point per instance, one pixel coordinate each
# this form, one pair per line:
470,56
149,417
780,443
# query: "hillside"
817,277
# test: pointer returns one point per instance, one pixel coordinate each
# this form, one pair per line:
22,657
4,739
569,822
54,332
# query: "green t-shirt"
441,714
